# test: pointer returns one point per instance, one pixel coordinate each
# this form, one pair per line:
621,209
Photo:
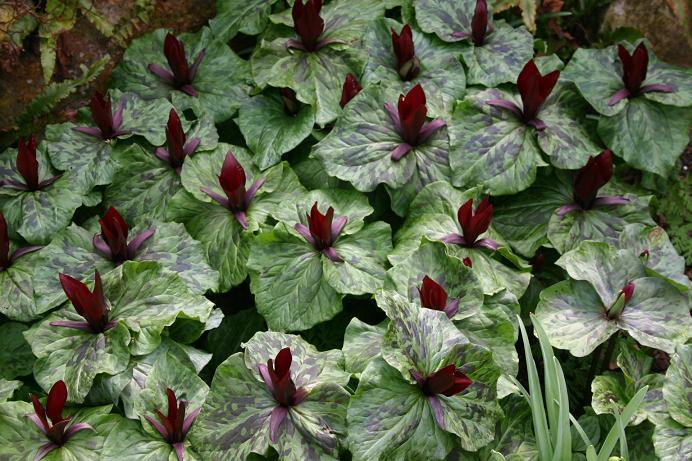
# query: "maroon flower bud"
58,430
447,381
534,89
634,68
322,231
467,262
479,23
112,242
175,425
408,64
291,103
92,306
350,89
474,224
178,147
108,123
412,112
433,296
182,75
627,291
232,180
591,177
308,23
27,165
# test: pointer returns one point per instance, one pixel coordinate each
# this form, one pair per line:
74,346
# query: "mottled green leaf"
672,441
233,16
220,81
358,150
678,386
16,358
362,344
129,442
269,131
648,135
17,285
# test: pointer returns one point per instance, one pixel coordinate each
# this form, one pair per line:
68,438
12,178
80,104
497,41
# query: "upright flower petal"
308,23
102,114
634,67
114,231
591,177
27,165
320,226
474,224
408,64
232,180
432,295
175,140
534,89
412,112
448,381
174,50
57,396
479,23
350,89
92,306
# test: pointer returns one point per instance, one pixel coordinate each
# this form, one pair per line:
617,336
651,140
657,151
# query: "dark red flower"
408,119
92,306
408,64
350,89
178,147
58,430
534,89
6,259
412,112
474,224
634,69
291,103
322,231
308,23
591,177
232,180
182,75
175,425
432,295
276,375
479,23
112,242
108,123
27,165
447,381
467,262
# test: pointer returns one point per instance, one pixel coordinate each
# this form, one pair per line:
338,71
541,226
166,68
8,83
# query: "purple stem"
264,373
393,116
90,131
611,200
454,239
506,105
417,377
436,407
138,241
618,96
656,87
44,450
189,89
158,426
37,421
538,124
72,430
161,73
216,197
192,72
179,450
278,416
451,308
84,326
118,119
18,253
304,231
400,150
162,154
330,253
241,217
460,34
191,146
338,225
13,184
430,128
486,243
564,209
299,395
49,181
250,194
189,419
101,246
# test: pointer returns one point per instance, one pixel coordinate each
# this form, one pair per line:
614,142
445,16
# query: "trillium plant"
181,75
50,421
175,424
314,230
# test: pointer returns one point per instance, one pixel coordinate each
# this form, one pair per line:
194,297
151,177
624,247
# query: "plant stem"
608,352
